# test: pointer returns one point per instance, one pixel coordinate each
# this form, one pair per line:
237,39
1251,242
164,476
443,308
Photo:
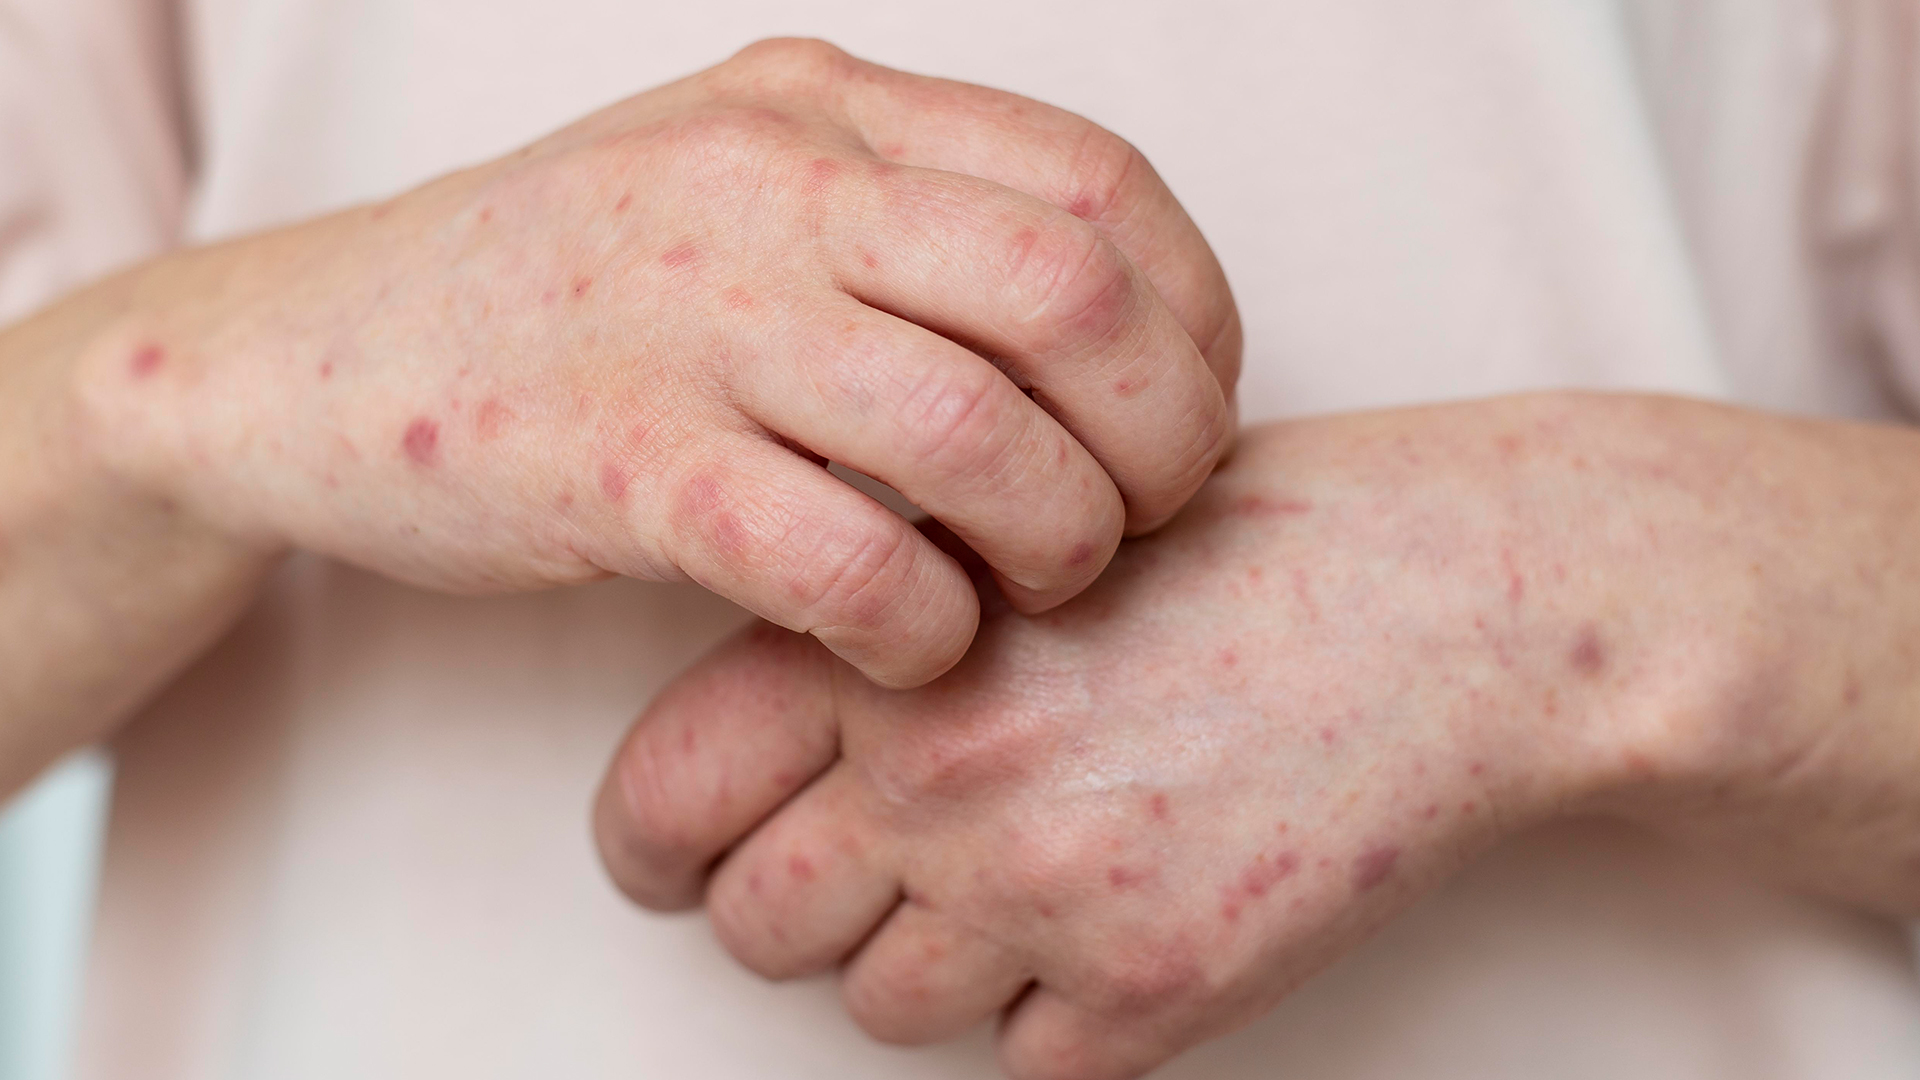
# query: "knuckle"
741,928
882,1001
808,59
659,823
849,579
1104,169
1075,285
956,425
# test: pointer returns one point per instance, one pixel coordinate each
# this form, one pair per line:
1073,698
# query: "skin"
629,348
1370,648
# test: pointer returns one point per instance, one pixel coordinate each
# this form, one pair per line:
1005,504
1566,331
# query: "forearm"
108,585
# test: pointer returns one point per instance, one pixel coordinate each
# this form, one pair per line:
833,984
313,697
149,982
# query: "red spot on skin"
1124,387
754,884
1469,806
1081,552
801,868
1264,874
1327,735
1229,658
1157,806
1509,445
1281,828
1122,878
1254,573
1230,910
146,360
703,501
1588,656
614,478
580,286
1432,811
625,201
821,173
689,742
490,419
382,211
486,214
1373,866
1262,506
1851,695
737,299
1045,909
1082,207
1476,769
564,501
680,255
326,370
332,481
868,259
421,441
549,296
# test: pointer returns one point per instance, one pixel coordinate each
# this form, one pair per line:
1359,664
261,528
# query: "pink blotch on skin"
1476,768
1264,506
1082,207
821,173
146,360
1264,874
564,502
1157,806
1080,554
614,479
737,299
754,884
421,441
326,370
1432,811
490,419
1374,866
1303,596
625,201
680,255
801,868
1588,656
1229,658
580,286
868,259
1122,878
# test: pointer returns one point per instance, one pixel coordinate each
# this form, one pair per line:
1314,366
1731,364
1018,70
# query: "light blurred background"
49,849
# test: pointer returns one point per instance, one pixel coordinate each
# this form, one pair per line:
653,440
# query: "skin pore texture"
629,348
1370,648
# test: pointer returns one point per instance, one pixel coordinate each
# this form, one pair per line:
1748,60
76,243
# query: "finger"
806,888
790,542
1047,1037
1073,163
925,978
724,744
1061,307
954,435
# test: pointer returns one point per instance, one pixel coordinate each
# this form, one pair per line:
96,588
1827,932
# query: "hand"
631,347
1370,648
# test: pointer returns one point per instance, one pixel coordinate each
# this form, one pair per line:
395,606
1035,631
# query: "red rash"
680,255
625,201
490,419
614,480
1157,806
801,868
1082,208
326,370
1374,866
1258,879
1081,552
580,287
737,299
421,441
146,360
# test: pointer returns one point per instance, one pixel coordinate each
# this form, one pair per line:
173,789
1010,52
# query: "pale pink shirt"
352,842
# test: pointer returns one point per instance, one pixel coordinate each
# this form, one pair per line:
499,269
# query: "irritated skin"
628,349
1371,647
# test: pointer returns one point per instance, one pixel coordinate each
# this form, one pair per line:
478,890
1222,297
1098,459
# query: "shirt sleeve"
94,160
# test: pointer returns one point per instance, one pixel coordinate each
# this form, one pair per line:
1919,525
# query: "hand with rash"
1369,649
631,347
